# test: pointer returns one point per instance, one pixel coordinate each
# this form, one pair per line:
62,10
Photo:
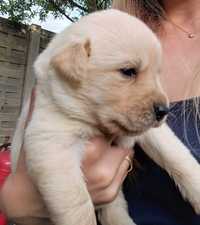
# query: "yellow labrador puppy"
100,76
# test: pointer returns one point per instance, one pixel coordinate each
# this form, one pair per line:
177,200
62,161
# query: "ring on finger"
128,159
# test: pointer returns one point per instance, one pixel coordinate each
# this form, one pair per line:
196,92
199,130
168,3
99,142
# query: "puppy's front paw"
189,185
196,206
194,196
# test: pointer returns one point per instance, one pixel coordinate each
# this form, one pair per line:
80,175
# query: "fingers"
95,148
109,193
125,167
101,162
115,157
99,150
105,168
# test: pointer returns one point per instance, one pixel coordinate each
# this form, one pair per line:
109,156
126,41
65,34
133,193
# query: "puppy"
100,76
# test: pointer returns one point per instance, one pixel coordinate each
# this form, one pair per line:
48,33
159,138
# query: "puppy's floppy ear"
71,62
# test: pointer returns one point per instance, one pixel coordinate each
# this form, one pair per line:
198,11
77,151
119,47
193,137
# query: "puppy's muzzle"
160,111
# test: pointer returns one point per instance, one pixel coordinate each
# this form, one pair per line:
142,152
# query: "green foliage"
25,10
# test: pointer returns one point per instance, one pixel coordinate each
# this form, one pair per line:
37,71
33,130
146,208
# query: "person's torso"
152,196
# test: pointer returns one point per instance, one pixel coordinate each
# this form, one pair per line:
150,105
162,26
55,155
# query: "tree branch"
60,10
99,6
76,5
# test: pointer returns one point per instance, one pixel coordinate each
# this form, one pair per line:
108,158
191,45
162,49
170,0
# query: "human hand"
105,168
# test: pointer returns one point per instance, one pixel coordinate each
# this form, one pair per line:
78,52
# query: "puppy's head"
109,69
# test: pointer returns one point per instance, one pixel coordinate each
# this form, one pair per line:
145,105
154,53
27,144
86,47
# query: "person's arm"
104,167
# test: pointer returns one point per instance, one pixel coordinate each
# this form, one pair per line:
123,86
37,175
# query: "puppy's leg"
54,165
115,213
168,151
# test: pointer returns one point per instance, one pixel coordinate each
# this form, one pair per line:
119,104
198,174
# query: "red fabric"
5,169
5,166
3,219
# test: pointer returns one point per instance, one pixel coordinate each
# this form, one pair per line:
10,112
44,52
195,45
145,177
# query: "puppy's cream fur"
81,92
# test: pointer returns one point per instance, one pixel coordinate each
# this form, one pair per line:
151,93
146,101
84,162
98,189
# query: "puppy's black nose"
160,111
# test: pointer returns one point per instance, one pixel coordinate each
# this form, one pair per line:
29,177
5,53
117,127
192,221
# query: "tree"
25,10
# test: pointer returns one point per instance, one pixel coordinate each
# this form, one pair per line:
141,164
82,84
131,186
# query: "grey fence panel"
19,46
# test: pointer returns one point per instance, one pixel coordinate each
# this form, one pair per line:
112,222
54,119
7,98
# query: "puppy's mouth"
128,126
123,127
134,127
118,127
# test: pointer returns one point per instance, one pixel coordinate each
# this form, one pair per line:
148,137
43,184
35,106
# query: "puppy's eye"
131,72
